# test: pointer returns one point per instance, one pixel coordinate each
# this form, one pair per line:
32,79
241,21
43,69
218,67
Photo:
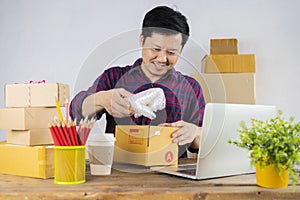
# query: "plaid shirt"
184,97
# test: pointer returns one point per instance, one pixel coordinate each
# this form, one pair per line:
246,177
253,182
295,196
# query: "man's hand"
114,101
187,133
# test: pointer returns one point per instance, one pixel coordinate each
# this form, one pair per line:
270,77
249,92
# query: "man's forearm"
89,105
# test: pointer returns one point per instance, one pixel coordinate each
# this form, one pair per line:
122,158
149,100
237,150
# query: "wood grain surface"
135,182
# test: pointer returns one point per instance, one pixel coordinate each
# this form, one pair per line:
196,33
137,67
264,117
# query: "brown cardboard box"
36,161
223,46
228,87
242,63
29,137
26,118
145,145
36,95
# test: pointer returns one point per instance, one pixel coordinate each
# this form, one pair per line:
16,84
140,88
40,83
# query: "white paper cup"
100,152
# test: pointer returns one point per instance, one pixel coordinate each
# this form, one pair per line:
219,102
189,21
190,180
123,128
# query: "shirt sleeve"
200,102
103,82
196,115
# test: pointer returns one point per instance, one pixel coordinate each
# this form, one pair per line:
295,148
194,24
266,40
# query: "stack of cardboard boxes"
28,150
227,77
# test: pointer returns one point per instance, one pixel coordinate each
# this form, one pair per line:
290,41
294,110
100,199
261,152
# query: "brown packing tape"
47,165
41,162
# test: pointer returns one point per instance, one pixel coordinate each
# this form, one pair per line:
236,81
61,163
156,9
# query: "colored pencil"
61,133
54,136
65,134
67,110
72,135
58,110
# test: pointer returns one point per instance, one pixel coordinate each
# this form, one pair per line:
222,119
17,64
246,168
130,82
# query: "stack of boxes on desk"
227,77
28,150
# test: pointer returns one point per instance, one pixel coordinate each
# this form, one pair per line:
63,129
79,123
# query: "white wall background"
56,39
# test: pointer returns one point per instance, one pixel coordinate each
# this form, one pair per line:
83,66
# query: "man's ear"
142,40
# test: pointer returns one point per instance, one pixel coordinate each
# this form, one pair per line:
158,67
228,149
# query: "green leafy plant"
275,141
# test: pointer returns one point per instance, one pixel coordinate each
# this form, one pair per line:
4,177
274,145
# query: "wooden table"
141,183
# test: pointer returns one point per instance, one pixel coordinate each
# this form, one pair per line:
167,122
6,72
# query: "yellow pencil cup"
69,164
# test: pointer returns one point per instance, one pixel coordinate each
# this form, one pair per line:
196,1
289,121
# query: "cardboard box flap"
132,138
160,137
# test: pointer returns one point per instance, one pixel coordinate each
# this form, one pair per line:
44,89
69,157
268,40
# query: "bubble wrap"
147,102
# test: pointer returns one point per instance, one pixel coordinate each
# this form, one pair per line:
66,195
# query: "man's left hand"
187,132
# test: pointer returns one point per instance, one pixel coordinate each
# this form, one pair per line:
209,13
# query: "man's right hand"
114,101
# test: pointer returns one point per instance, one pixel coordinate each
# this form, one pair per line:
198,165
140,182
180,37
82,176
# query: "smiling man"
164,34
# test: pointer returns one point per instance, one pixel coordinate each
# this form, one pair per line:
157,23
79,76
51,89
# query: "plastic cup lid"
102,137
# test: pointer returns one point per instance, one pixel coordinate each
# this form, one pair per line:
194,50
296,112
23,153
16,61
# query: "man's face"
160,53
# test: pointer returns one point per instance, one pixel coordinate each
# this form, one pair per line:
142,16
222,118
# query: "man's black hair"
165,20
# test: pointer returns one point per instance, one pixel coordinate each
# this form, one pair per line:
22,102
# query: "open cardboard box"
145,145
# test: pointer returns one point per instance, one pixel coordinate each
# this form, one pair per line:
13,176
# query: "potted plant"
274,147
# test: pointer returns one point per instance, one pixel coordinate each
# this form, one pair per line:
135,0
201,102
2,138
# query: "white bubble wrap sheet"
147,102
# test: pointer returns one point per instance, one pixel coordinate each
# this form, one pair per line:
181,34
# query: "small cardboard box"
26,118
242,63
31,161
36,95
228,87
40,136
145,145
223,46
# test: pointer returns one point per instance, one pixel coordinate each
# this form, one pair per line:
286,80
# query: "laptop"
216,157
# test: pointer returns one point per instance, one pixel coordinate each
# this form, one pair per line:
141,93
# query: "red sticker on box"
169,156
135,137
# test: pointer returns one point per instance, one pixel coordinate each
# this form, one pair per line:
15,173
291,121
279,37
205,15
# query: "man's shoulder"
122,69
119,68
189,79
117,71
